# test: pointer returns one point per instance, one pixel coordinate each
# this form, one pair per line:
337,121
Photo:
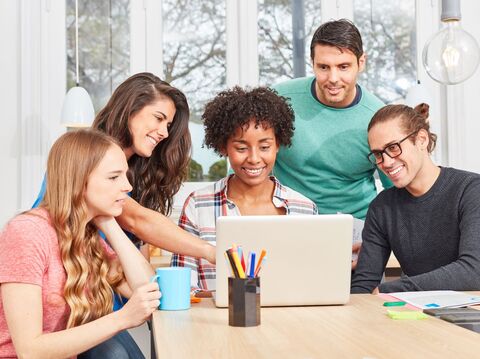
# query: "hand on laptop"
355,252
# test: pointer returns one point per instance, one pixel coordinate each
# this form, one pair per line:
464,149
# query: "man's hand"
355,253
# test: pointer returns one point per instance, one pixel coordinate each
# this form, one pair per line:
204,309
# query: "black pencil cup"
244,302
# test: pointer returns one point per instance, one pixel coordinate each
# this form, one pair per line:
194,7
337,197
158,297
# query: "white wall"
471,95
9,104
32,88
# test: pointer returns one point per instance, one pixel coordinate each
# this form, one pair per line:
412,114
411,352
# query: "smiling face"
252,152
406,170
149,126
107,185
336,74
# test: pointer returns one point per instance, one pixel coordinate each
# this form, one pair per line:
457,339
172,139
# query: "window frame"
43,87
42,90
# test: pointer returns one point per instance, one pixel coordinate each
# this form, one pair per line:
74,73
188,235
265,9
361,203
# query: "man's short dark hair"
342,34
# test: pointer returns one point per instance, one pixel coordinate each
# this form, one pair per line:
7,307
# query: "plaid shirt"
203,207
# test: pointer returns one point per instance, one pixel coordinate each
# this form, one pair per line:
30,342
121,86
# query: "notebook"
308,258
437,299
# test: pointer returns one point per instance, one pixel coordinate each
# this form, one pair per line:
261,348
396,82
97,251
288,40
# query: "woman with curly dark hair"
247,127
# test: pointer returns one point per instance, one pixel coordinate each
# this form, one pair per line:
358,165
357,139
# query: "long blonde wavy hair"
89,288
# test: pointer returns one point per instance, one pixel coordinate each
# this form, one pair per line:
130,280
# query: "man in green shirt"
327,161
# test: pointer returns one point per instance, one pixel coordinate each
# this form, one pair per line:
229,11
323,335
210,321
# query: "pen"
262,255
241,272
232,263
251,273
257,271
240,257
229,265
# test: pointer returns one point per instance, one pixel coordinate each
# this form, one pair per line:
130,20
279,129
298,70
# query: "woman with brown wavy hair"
57,276
149,119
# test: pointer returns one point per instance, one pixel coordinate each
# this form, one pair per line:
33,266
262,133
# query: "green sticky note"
394,304
407,314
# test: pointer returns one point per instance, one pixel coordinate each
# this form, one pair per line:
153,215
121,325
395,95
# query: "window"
194,51
194,61
389,40
285,31
104,46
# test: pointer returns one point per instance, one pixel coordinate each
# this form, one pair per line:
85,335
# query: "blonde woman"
57,276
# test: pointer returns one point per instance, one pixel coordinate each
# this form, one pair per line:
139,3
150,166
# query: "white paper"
437,299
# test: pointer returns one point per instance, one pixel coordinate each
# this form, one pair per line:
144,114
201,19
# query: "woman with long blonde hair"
57,275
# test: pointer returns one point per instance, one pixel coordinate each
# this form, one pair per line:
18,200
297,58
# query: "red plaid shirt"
203,207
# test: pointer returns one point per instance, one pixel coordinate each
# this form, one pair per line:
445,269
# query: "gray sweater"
435,237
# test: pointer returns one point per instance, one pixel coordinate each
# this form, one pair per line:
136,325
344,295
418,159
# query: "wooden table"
160,261
359,329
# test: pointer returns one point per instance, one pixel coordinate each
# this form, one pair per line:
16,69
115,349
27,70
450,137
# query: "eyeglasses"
392,150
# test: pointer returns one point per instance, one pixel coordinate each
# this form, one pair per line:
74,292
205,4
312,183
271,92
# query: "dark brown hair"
413,120
235,108
342,34
155,179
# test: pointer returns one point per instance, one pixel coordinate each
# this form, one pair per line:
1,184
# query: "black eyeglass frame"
373,159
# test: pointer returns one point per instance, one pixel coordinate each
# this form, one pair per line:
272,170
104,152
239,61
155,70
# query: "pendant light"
77,109
452,55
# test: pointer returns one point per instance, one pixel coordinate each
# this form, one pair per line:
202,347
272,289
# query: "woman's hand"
210,253
143,302
103,223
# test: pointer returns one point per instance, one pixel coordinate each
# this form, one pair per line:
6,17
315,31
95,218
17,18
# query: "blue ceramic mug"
174,283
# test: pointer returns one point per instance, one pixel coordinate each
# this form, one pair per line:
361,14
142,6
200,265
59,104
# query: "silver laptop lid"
308,258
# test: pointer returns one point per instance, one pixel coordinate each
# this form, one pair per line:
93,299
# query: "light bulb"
452,55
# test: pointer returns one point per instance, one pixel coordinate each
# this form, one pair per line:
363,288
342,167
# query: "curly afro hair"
235,108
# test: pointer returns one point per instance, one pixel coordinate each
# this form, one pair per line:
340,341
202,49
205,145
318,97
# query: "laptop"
308,259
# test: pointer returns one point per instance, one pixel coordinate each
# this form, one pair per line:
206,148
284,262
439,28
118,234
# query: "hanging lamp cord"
76,42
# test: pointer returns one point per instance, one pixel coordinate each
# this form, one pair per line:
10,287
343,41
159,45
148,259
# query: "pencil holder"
244,302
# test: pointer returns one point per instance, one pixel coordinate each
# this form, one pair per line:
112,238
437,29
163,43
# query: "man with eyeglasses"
327,161
392,150
430,219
